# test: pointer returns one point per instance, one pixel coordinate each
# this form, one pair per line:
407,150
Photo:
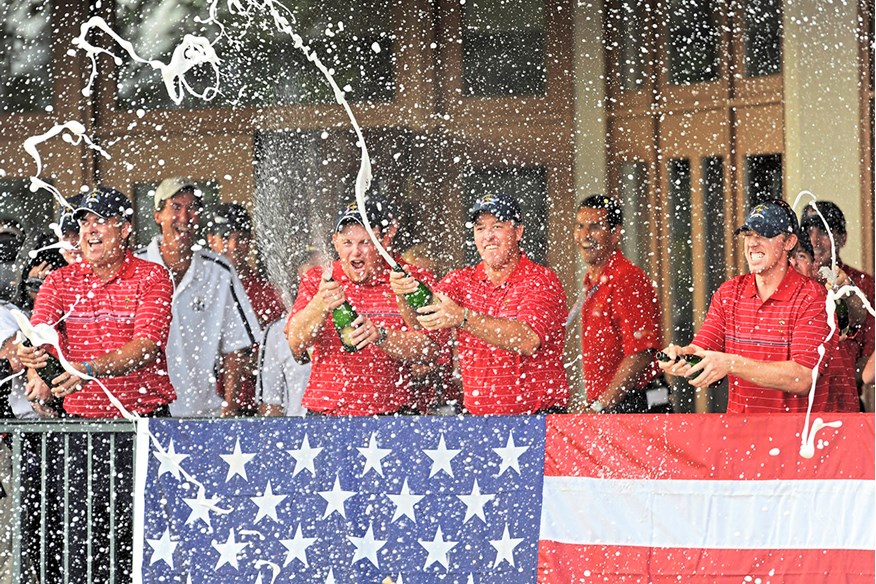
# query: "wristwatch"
381,332
596,406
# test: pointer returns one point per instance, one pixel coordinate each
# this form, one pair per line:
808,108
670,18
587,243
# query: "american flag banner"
707,499
412,499
558,499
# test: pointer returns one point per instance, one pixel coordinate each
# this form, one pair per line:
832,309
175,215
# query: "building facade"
689,110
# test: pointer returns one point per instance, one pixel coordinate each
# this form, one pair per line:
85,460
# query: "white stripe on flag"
141,465
789,514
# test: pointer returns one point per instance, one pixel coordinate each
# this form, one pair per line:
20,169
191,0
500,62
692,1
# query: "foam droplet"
774,452
375,46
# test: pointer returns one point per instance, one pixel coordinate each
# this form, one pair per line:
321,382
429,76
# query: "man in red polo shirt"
376,378
113,311
763,330
118,318
620,316
508,313
857,344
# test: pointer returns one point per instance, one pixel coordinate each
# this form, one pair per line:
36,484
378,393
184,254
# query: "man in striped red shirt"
763,330
377,377
508,313
113,313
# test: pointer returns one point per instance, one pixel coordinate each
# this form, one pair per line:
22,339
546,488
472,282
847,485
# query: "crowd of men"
174,329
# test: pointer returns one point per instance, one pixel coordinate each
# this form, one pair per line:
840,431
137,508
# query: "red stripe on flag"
568,563
707,447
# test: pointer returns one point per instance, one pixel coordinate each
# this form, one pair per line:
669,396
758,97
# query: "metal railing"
88,505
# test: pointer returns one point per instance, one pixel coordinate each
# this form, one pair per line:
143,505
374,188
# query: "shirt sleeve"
48,307
307,289
544,306
270,383
241,326
636,314
810,331
153,316
711,335
8,326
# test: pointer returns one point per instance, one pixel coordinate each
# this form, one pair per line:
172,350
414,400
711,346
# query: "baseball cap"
833,215
105,202
66,222
503,207
379,211
770,219
169,187
228,218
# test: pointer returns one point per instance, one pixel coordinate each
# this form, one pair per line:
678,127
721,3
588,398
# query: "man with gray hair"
214,325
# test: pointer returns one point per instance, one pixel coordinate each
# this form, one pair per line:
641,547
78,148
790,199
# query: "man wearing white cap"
213,324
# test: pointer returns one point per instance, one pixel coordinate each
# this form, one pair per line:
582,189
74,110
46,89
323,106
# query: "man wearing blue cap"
114,312
508,313
763,330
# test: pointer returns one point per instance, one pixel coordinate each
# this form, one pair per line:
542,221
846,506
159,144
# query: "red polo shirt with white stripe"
620,317
496,381
368,381
789,326
104,316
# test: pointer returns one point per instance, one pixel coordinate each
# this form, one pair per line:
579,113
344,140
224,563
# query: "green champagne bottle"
343,317
419,298
691,360
52,369
842,316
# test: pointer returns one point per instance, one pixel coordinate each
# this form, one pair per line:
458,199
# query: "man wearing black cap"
508,313
829,220
214,326
229,234
114,312
763,330
376,378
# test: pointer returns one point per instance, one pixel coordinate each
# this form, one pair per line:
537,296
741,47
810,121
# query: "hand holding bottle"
330,295
679,361
443,313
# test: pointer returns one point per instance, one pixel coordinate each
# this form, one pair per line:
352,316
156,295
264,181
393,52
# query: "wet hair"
614,212
833,215
52,257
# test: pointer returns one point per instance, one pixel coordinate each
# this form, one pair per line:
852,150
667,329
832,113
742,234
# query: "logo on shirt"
198,304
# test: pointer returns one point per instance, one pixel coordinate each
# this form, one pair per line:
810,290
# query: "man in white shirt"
214,325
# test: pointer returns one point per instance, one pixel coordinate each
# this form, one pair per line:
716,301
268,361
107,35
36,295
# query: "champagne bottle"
842,316
691,360
420,297
52,369
343,317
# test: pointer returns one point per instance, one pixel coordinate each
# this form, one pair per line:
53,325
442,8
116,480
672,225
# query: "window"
503,48
526,184
260,66
692,42
713,230
763,178
630,50
763,37
26,57
633,191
